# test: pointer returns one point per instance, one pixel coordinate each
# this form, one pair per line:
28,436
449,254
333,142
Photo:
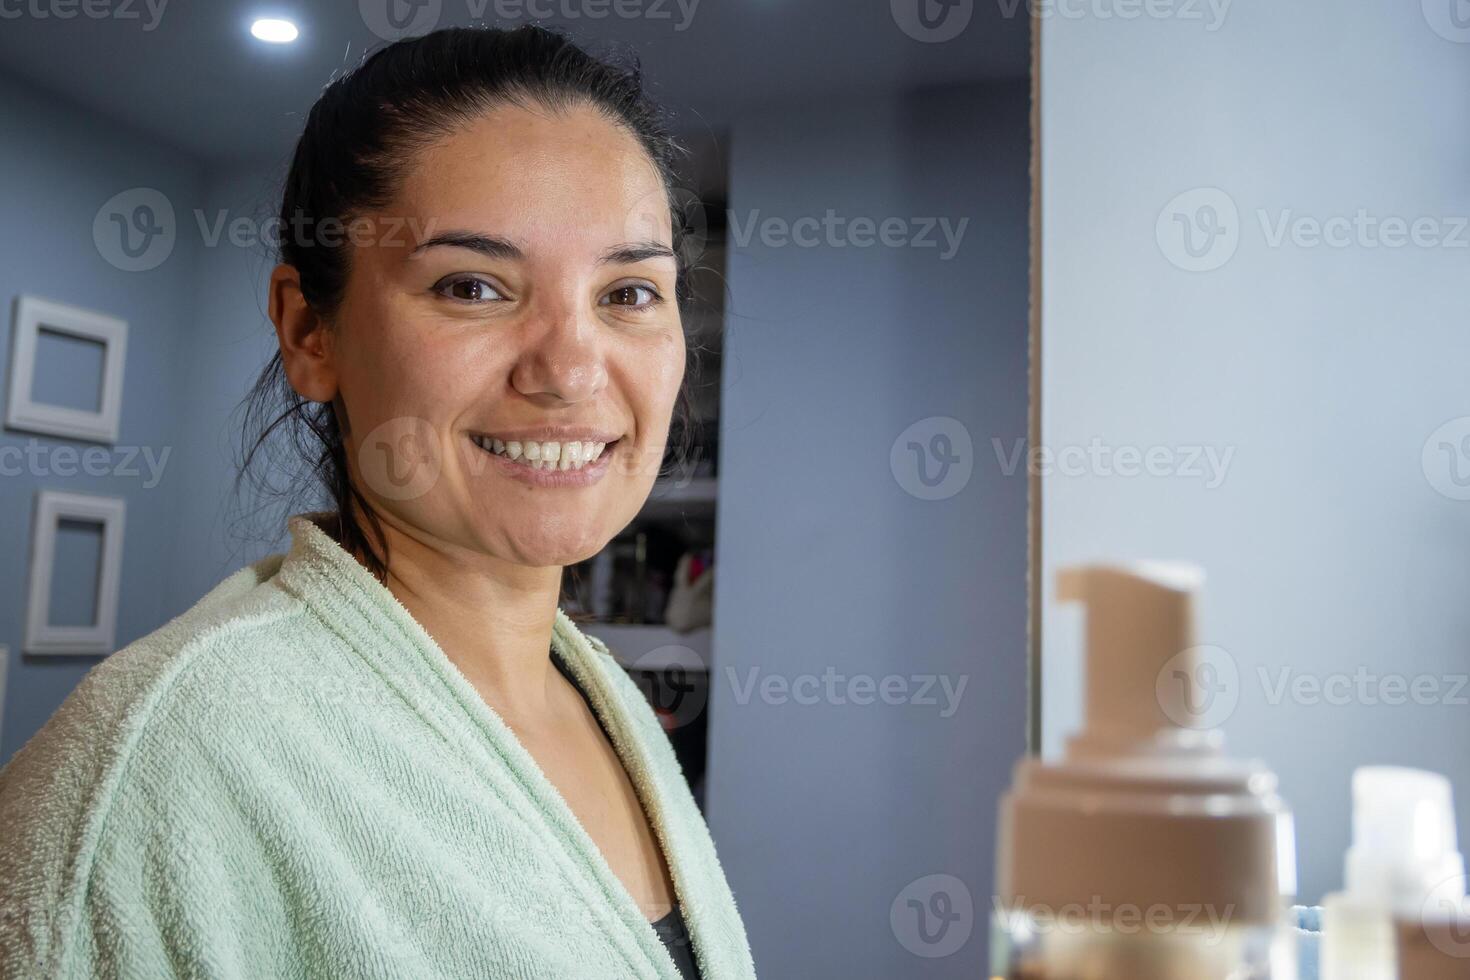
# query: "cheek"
651,375
656,377
395,370
406,392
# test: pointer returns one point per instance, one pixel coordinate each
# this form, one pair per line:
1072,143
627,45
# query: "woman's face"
524,308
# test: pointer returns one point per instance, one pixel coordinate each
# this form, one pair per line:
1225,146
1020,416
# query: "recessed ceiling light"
274,31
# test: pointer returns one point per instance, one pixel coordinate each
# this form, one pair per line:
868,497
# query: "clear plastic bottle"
1145,853
1402,866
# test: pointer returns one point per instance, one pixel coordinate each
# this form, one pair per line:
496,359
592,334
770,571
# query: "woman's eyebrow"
487,245
632,252
492,247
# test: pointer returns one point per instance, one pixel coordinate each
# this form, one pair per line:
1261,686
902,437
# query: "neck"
493,619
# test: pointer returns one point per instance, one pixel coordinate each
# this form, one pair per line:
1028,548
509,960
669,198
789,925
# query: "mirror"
823,597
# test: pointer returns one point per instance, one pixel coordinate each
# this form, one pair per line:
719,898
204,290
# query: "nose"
562,360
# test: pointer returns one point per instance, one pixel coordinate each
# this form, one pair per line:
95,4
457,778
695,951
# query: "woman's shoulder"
159,671
134,724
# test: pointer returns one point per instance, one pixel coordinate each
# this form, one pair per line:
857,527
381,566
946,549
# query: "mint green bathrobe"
292,780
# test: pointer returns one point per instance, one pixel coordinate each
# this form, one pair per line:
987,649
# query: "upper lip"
550,433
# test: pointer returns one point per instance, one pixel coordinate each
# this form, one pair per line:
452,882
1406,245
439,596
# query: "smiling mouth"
548,454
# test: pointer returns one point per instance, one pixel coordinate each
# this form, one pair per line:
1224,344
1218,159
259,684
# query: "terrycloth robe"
291,779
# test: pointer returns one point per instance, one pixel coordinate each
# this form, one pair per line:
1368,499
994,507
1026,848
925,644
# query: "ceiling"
189,73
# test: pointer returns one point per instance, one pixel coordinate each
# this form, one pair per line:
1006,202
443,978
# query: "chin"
557,543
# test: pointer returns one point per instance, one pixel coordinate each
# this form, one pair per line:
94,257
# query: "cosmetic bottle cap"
1403,849
1145,814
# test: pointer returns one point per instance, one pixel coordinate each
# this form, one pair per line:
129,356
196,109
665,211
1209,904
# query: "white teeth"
549,455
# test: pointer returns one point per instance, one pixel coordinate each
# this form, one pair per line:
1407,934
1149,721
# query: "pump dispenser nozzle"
1140,623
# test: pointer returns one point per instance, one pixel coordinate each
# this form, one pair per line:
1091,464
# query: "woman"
387,752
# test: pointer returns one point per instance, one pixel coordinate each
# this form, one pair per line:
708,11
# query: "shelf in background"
653,647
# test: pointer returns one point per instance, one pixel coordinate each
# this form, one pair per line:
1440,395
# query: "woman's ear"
306,353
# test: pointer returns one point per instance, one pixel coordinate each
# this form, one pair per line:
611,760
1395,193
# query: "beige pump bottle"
1145,853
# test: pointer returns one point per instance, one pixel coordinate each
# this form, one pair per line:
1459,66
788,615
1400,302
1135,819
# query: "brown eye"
632,295
468,289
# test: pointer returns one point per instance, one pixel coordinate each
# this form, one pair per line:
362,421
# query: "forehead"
536,175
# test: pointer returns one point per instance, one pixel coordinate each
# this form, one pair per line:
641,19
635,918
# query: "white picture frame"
52,506
34,314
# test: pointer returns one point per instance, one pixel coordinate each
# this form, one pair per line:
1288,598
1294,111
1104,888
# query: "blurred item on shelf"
691,600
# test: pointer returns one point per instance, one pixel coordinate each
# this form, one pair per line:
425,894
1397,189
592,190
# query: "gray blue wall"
1333,548
197,335
231,340
832,807
58,166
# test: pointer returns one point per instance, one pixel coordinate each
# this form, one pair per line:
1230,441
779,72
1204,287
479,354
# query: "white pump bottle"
1403,861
